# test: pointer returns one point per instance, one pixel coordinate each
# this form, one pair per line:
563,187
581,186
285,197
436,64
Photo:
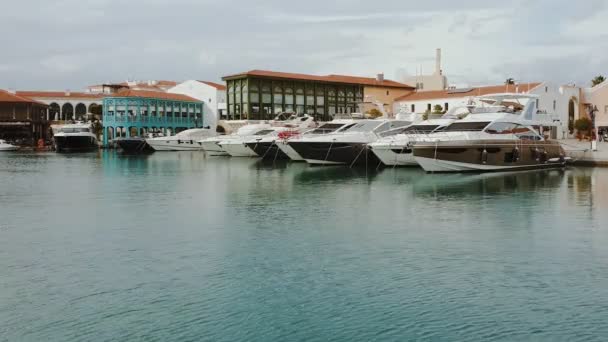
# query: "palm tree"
597,80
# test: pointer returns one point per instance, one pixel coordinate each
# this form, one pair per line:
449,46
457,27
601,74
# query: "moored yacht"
4,146
349,146
76,137
333,126
212,145
183,141
394,147
498,137
135,145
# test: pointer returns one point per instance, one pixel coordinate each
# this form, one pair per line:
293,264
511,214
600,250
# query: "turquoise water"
176,247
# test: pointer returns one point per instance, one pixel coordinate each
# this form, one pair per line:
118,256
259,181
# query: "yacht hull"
488,156
289,151
238,149
267,150
134,146
325,153
173,145
75,143
8,148
212,148
395,155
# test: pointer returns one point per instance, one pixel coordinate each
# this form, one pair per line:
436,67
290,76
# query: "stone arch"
67,111
54,110
81,111
97,110
110,133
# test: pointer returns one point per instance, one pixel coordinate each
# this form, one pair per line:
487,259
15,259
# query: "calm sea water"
179,247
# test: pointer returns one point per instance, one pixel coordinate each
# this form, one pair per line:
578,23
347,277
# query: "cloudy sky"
68,44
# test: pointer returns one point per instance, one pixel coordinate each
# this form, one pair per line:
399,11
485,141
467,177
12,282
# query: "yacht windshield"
420,129
466,127
366,126
74,130
264,132
327,128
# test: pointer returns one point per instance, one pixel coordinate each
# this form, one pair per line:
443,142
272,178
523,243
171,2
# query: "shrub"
583,125
374,113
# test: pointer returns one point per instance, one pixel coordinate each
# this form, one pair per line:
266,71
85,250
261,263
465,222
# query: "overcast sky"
68,44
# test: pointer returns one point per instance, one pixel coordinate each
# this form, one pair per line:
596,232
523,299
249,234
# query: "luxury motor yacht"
212,147
251,146
283,140
4,146
349,146
394,147
500,137
76,137
183,141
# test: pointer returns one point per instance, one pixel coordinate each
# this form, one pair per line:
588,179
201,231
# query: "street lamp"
593,141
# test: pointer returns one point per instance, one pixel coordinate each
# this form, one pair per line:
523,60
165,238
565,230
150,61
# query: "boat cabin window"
466,127
326,128
366,126
264,132
525,133
501,128
75,130
420,129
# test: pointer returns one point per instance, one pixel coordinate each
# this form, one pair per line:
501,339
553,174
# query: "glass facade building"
257,97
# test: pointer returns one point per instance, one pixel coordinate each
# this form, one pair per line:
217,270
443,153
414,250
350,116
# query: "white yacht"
183,141
4,146
287,151
213,147
349,146
78,137
506,134
250,146
394,148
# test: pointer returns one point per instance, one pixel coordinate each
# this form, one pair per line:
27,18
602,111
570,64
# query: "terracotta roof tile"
474,91
6,96
52,94
369,81
153,94
215,85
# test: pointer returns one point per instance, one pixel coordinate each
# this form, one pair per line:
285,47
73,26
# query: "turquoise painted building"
137,112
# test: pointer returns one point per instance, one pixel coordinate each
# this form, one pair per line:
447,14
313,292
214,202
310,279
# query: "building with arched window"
22,119
67,105
260,95
137,112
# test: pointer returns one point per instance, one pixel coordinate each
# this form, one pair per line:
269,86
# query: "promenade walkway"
581,152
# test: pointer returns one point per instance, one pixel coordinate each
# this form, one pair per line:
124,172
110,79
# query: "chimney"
67,92
438,62
380,77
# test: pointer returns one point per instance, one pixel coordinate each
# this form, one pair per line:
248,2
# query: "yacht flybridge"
506,133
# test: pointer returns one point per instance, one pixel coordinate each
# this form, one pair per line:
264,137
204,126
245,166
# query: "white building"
68,105
435,81
212,94
561,101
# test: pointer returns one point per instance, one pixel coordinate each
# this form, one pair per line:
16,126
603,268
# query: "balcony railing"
144,119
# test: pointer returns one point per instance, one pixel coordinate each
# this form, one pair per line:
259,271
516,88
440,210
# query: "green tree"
97,128
597,80
426,114
374,113
437,109
583,125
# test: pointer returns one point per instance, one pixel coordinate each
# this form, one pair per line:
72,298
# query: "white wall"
210,96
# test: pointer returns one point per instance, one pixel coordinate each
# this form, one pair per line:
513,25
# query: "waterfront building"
136,112
68,105
562,101
260,94
150,85
212,94
22,118
597,98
